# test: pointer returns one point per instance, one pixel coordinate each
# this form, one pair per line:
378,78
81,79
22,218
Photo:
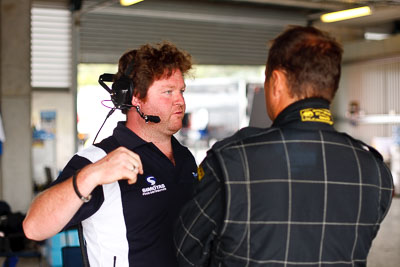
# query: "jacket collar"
309,113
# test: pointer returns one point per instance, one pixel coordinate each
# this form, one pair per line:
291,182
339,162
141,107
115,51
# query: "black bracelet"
84,199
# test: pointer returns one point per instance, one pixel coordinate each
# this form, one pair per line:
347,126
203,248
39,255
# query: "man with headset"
298,193
127,190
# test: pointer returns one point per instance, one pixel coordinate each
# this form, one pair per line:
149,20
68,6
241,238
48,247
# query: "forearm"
55,207
52,209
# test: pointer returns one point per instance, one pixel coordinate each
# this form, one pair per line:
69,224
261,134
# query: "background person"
296,194
138,178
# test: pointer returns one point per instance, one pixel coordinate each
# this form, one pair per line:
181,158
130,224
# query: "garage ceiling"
229,32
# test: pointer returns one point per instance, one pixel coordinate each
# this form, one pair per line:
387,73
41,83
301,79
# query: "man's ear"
136,101
279,83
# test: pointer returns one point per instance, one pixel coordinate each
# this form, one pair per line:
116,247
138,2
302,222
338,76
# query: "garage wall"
374,85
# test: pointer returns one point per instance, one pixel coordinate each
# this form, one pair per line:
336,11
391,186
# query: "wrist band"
84,199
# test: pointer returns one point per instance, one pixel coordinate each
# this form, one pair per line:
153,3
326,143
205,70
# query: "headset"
122,93
122,88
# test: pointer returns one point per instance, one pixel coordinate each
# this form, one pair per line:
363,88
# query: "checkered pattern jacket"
296,194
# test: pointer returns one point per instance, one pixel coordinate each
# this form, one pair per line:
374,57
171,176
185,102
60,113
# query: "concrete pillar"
1,175
15,94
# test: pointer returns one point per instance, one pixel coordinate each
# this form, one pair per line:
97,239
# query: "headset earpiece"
122,92
122,89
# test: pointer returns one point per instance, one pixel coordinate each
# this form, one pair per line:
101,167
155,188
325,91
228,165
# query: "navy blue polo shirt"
133,224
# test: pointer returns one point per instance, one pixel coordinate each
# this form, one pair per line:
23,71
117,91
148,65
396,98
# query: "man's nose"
179,99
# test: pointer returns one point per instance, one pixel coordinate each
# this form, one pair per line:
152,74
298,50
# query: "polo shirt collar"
126,137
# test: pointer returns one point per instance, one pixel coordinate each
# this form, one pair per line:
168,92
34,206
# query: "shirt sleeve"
87,209
201,218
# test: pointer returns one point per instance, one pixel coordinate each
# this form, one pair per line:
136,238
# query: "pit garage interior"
45,43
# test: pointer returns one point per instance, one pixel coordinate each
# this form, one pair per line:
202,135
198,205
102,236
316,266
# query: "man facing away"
138,178
296,194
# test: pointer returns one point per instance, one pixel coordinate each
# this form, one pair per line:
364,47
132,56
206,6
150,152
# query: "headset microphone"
148,118
152,118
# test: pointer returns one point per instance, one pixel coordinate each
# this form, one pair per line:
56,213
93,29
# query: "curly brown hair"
149,63
311,59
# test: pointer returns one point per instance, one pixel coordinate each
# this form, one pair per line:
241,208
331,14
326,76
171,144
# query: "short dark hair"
311,60
150,63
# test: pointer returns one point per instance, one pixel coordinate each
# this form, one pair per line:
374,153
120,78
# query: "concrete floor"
385,251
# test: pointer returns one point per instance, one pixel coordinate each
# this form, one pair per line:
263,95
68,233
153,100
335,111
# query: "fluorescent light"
346,14
129,2
376,36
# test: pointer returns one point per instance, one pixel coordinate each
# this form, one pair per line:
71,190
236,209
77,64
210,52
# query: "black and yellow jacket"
296,194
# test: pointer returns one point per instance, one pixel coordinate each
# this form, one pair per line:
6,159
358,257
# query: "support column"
15,106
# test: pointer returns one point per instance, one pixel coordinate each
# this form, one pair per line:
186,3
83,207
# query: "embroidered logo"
316,115
151,180
200,173
154,187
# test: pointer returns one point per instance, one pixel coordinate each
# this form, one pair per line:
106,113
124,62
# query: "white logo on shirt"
151,180
154,188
